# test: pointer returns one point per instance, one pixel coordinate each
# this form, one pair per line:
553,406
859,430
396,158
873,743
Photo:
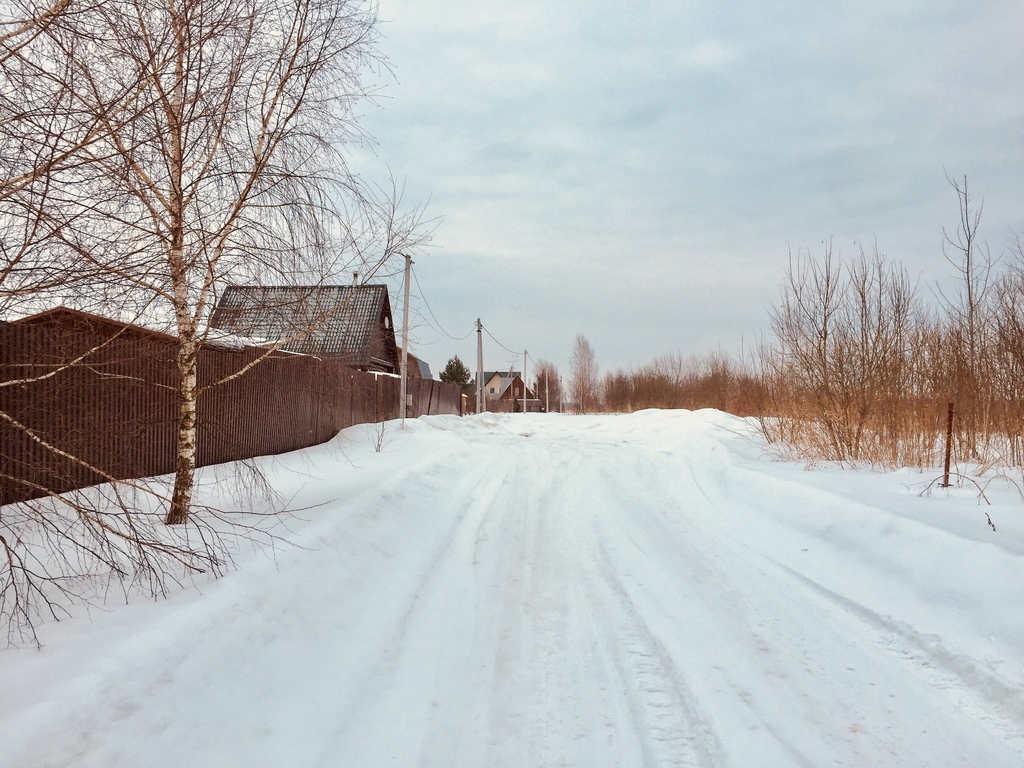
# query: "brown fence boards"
110,400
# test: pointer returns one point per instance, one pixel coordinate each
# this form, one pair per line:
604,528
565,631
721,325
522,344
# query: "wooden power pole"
524,381
479,367
404,407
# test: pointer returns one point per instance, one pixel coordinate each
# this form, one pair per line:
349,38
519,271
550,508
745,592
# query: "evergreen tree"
456,372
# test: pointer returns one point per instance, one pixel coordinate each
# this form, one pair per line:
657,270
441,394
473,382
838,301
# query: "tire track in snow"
568,651
985,695
668,721
501,684
987,698
540,661
474,499
661,711
414,655
755,609
658,550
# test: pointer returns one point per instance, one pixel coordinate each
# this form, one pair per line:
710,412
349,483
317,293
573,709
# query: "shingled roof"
350,323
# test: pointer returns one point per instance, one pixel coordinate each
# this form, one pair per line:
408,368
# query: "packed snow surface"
545,590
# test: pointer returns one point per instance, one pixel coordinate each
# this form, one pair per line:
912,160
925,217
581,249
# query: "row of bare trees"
675,381
154,151
670,381
864,363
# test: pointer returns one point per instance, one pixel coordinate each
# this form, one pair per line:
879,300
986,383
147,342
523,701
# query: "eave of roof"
55,315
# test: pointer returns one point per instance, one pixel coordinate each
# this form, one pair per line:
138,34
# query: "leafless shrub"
838,372
970,321
380,431
1007,358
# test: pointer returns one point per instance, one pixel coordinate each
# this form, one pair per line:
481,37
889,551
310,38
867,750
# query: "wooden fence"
69,399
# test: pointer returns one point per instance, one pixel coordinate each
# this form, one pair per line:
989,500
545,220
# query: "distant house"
348,323
503,390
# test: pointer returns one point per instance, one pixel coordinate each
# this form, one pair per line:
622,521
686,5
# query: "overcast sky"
639,171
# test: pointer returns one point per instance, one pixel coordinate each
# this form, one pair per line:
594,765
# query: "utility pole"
479,367
547,394
405,343
524,381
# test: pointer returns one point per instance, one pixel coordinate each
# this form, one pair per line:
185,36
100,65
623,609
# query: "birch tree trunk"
185,464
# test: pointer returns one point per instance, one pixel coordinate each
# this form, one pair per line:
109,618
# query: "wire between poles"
513,351
431,311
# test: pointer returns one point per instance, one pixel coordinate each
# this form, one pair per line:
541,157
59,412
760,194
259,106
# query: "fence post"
949,445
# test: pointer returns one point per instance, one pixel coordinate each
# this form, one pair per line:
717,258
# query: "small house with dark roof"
348,323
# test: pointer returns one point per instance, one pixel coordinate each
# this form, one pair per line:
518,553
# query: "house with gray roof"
504,389
348,323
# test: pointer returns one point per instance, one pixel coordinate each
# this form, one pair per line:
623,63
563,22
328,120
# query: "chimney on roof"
355,278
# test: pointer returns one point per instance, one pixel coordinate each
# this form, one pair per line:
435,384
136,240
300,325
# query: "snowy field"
644,590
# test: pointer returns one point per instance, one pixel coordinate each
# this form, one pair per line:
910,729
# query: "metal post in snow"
949,446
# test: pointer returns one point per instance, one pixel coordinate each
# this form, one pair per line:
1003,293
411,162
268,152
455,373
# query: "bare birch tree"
585,386
216,131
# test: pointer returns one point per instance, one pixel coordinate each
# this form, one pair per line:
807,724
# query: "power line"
513,351
438,322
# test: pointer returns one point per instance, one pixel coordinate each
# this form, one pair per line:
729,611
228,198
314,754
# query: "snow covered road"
644,590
